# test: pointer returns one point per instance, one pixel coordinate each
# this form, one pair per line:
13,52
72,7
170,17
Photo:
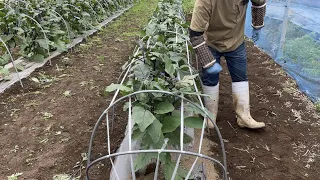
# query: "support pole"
284,30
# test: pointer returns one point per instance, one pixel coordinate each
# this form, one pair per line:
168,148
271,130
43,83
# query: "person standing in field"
216,30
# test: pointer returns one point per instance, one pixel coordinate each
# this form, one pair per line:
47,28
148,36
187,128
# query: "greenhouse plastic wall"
291,36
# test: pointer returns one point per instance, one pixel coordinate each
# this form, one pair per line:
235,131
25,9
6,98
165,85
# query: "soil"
44,132
289,147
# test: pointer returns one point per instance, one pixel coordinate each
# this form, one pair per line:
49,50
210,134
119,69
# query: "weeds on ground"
141,10
46,115
14,176
188,6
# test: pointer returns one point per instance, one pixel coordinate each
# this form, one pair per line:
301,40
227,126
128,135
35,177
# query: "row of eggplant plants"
34,28
161,64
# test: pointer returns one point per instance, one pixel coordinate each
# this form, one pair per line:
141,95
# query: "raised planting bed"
164,107
40,29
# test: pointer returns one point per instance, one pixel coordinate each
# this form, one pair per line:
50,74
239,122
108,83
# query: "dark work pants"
237,66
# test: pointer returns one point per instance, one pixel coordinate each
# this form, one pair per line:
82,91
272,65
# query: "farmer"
216,30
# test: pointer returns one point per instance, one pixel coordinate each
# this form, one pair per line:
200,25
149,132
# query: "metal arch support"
207,117
7,5
12,61
64,21
153,151
75,7
27,4
92,8
163,92
101,6
39,25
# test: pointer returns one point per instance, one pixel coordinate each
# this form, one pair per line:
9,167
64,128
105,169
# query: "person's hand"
214,69
256,34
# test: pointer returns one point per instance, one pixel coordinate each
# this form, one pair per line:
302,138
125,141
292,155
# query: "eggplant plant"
161,64
37,27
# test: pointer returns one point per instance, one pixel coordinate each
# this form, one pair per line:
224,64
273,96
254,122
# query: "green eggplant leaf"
154,130
37,57
163,108
142,117
43,43
170,123
193,122
114,87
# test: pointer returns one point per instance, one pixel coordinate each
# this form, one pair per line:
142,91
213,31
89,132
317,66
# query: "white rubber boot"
211,103
240,94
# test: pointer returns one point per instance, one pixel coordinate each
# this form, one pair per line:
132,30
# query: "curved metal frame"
105,113
64,21
130,152
153,151
44,34
12,61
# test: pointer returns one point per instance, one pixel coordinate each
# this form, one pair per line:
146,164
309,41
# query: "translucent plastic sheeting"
291,36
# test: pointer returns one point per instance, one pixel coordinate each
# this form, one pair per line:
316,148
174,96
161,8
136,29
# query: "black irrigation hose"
153,91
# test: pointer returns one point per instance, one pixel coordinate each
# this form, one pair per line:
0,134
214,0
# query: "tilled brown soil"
41,146
45,128
44,131
289,147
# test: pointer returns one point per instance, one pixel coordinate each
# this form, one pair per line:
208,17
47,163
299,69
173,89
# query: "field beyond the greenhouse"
45,128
